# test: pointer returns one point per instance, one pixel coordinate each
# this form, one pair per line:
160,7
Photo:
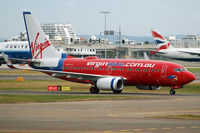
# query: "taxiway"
108,116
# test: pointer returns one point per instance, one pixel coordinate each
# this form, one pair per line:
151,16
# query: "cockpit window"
180,69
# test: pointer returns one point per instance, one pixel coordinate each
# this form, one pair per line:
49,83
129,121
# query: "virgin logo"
38,48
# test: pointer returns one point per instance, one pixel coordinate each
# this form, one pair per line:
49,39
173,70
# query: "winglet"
8,62
145,56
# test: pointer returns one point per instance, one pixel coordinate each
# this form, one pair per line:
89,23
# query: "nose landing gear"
172,92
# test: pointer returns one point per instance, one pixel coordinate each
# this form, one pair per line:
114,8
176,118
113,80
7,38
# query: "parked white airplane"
19,49
166,49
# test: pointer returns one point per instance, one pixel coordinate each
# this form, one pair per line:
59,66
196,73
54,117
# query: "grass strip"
9,98
194,70
184,116
20,72
42,85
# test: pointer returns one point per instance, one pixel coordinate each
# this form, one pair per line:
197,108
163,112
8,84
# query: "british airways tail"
40,46
160,40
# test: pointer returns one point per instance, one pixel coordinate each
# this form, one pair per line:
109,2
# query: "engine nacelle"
110,83
141,87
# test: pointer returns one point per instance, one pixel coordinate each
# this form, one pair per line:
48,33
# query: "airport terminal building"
58,33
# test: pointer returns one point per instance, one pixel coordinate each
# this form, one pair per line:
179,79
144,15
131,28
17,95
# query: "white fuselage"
19,49
186,54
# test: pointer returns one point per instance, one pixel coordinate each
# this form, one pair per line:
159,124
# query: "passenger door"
164,71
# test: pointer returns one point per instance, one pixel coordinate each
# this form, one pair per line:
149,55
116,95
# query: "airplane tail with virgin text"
160,41
40,45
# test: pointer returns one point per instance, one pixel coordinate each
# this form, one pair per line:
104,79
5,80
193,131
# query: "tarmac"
107,116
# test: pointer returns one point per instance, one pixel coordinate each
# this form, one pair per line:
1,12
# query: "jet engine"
141,87
110,83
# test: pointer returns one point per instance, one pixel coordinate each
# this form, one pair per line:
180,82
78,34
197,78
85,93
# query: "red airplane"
106,74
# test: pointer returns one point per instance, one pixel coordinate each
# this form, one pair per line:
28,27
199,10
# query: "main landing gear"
94,90
117,91
172,92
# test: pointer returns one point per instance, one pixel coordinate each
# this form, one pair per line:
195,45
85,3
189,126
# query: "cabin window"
180,69
26,46
122,69
133,69
127,69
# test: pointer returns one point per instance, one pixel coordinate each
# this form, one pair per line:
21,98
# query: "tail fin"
160,40
39,44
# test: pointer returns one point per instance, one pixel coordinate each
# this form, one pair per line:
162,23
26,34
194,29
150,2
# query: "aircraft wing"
192,53
81,76
17,59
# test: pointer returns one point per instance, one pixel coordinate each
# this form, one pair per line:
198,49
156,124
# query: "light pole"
105,12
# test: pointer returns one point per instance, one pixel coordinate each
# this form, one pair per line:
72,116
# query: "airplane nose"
190,77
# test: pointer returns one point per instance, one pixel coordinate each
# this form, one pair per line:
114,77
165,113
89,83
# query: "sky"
135,17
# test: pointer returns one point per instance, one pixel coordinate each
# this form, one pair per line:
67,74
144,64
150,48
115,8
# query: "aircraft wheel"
94,90
172,92
117,91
